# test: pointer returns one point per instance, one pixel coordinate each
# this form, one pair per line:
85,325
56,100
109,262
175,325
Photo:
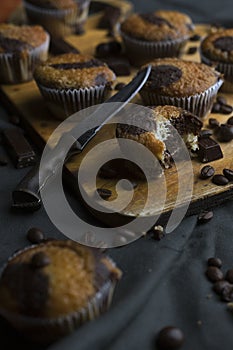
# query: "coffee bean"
220,180
104,193
227,293
219,286
225,109
119,86
206,172
192,50
228,173
213,123
214,274
221,100
229,276
39,260
205,216
3,161
195,37
224,133
216,108
106,49
215,262
158,233
205,133
35,235
170,338
230,121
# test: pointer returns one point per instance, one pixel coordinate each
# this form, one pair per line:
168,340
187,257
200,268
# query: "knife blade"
26,195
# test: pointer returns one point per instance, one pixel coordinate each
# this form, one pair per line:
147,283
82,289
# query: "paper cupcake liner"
140,52
225,68
198,104
59,23
46,331
63,103
16,69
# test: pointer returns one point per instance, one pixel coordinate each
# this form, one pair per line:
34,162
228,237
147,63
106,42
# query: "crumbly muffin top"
53,279
73,71
158,26
55,4
179,78
15,38
218,46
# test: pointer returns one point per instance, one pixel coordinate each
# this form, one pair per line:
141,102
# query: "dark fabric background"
163,282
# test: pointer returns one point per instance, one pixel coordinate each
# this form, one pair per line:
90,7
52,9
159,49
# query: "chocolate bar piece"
18,148
119,64
59,46
209,150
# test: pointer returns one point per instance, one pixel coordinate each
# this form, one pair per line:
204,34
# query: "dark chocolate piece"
224,43
206,172
153,19
205,133
228,173
59,46
215,262
18,148
209,150
119,64
170,338
162,76
78,65
220,180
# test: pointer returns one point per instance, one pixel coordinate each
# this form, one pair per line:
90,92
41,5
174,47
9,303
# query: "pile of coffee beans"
221,106
223,179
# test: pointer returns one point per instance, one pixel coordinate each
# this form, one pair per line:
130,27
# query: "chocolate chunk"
39,260
191,50
228,173
158,21
230,121
220,180
78,65
221,100
158,233
119,86
119,64
224,43
209,150
225,109
163,75
170,338
227,293
108,49
18,148
205,133
205,216
214,274
104,193
59,46
219,286
229,276
224,133
195,37
206,172
215,262
215,108
213,122
3,161
35,235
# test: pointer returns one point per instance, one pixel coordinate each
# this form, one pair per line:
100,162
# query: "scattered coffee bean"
226,109
213,123
214,274
14,119
219,286
215,108
35,235
104,193
221,100
39,260
205,133
170,338
224,133
206,172
158,233
195,37
228,173
3,161
227,293
105,49
192,50
205,216
220,180
119,86
215,262
230,121
229,276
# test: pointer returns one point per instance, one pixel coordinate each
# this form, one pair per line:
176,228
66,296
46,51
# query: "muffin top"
179,78
158,26
218,46
73,71
14,38
53,279
55,4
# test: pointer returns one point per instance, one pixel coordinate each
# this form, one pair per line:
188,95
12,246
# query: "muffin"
217,50
153,35
190,85
50,289
21,49
70,82
159,136
59,17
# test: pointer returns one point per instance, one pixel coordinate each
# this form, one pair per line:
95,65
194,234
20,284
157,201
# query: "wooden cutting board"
25,100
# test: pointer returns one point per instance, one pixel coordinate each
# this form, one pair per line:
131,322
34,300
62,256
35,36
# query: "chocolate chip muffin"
70,82
50,289
164,126
157,34
59,17
190,85
21,49
217,50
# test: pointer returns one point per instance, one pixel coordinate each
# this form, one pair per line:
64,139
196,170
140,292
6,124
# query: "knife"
26,195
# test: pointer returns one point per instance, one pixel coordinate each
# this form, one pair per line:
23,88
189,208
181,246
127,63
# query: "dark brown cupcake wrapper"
16,69
198,104
46,331
141,52
63,103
